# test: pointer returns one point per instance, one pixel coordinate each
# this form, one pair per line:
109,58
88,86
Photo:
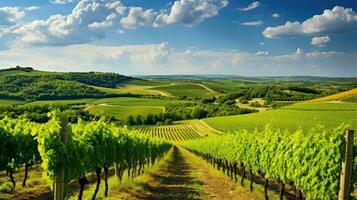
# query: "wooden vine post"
59,183
345,180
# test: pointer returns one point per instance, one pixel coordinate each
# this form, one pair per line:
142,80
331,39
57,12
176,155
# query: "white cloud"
31,8
157,55
253,23
108,22
138,17
120,31
190,12
10,15
339,20
251,6
81,26
161,59
275,15
288,29
61,1
261,53
320,41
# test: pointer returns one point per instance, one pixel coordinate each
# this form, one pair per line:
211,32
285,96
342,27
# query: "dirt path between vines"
185,177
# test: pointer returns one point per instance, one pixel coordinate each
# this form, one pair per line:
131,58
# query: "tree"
130,120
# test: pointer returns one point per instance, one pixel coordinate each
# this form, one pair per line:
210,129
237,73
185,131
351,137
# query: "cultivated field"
122,107
176,132
297,116
187,89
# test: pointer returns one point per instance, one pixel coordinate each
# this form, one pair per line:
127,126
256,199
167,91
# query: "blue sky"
255,38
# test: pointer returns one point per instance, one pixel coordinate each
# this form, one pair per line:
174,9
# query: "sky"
142,37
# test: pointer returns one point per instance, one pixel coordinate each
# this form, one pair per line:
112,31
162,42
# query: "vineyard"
176,132
308,163
69,152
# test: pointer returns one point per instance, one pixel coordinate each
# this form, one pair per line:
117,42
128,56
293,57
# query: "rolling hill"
336,97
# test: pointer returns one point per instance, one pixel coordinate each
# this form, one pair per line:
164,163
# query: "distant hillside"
29,84
194,77
344,96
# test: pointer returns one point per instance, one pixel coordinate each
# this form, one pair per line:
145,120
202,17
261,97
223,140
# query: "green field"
323,106
129,89
122,107
176,132
7,102
187,89
133,101
288,119
64,102
351,99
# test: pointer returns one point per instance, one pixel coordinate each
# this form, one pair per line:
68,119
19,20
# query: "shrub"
6,188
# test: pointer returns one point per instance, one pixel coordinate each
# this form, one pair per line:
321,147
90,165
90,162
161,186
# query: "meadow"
352,99
122,107
141,90
323,106
187,89
8,102
286,119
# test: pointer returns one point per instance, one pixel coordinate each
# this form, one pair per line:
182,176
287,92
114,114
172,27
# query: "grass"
214,176
122,190
34,185
187,89
351,99
122,107
286,119
142,90
337,96
60,102
323,106
224,87
8,102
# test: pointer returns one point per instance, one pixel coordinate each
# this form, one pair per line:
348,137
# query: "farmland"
351,99
302,116
182,109
187,89
176,132
122,107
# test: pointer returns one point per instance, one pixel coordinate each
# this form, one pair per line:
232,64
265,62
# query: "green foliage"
312,161
184,111
25,83
92,145
17,144
111,80
270,93
39,112
41,88
6,188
